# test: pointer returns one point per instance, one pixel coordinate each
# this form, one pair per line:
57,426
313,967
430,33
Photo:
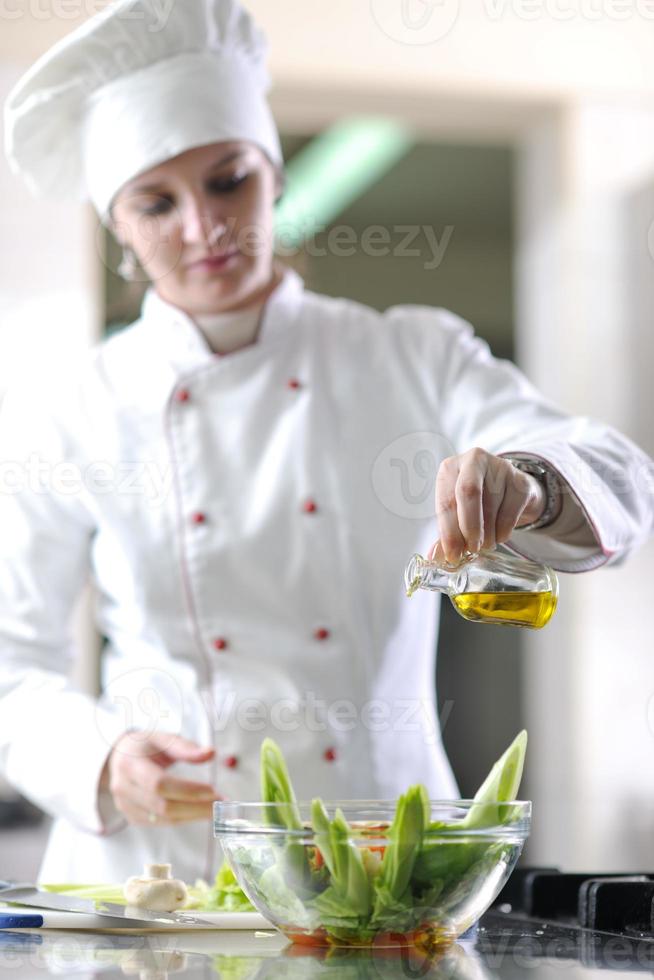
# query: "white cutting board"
55,919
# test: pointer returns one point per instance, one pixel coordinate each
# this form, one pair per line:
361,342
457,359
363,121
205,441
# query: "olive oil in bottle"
490,587
534,609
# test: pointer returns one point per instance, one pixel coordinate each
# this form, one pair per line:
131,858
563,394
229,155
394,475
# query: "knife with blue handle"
24,893
20,920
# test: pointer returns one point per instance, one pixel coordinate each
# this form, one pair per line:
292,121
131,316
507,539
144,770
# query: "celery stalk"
443,860
276,787
393,904
500,786
350,878
349,895
321,829
405,836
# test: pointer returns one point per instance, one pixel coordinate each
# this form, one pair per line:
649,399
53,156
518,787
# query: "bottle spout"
423,574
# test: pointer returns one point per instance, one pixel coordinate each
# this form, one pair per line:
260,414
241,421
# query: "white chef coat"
240,519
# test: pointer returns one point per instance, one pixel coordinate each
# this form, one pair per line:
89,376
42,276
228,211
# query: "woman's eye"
160,206
226,186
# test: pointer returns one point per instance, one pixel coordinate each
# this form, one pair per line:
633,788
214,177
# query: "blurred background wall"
532,138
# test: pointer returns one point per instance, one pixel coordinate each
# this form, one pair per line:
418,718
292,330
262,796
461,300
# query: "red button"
220,643
321,634
329,755
293,383
198,517
182,395
231,761
309,507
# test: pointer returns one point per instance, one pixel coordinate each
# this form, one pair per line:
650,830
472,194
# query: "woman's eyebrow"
227,159
150,188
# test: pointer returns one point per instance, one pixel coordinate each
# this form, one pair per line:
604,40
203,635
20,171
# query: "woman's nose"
202,224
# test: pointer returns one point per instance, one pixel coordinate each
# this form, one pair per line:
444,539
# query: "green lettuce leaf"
405,839
226,895
452,863
276,787
501,785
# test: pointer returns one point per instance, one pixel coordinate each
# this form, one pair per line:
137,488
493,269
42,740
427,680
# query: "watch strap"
553,490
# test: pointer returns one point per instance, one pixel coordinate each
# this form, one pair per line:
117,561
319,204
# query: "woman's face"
201,225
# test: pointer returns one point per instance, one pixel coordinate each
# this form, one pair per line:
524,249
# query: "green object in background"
226,895
333,171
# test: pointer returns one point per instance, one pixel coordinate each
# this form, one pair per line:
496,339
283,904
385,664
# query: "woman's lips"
214,261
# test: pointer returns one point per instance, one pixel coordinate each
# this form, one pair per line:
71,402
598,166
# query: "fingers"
147,789
183,790
141,786
184,812
451,538
470,500
489,508
513,504
479,501
173,811
140,811
436,552
133,813
460,502
162,747
180,749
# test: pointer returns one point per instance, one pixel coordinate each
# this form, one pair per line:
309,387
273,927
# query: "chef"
232,468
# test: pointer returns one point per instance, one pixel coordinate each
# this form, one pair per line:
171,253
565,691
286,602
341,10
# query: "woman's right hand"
144,792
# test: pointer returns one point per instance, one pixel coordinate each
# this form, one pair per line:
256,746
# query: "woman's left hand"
480,499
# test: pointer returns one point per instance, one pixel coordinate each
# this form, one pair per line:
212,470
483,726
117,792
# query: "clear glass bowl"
456,870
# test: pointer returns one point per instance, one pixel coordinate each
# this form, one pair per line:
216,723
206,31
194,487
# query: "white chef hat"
137,84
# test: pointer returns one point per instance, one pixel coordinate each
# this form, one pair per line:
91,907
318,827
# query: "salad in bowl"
412,872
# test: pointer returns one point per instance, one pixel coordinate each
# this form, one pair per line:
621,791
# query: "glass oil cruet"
490,587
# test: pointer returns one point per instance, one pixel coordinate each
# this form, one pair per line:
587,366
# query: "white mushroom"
156,890
153,964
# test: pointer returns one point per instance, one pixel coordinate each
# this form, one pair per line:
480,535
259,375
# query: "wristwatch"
552,485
